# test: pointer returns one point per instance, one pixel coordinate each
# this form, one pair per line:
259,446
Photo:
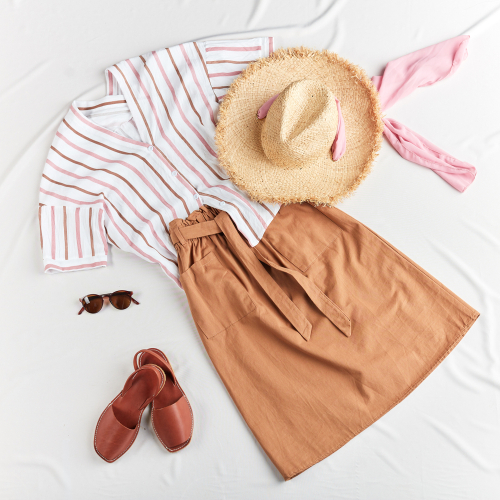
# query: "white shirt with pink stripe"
122,167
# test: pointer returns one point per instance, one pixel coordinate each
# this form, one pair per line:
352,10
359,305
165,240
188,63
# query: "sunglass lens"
120,299
93,303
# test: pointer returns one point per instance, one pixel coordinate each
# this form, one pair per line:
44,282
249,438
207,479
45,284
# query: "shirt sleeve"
226,59
72,221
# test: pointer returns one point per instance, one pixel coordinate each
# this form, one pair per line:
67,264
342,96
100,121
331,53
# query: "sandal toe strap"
173,423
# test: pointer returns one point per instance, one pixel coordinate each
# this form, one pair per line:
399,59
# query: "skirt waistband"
203,214
222,223
180,234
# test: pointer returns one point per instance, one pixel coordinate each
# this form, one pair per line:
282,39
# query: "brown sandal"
171,414
119,423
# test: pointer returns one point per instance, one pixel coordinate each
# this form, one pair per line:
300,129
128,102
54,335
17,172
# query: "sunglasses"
120,299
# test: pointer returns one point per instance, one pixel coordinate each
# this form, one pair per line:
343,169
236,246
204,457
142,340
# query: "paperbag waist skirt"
317,331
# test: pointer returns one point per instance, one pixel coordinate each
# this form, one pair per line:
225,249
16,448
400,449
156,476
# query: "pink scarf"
401,77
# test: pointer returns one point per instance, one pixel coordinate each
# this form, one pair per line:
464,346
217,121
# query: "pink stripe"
75,268
181,112
179,177
238,195
104,130
221,97
120,194
53,222
232,73
125,164
138,250
225,188
104,243
194,170
65,198
78,202
170,275
271,45
162,132
234,49
203,96
110,83
77,226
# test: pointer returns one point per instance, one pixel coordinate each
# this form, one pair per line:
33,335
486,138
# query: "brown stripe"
205,68
109,238
175,128
116,210
65,234
183,86
40,224
234,206
91,233
137,104
267,208
230,62
211,196
116,175
132,154
223,87
103,104
178,171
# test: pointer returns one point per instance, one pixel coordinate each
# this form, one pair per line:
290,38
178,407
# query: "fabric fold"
400,78
415,148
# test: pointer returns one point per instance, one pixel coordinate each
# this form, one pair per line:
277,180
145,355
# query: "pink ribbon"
339,143
400,78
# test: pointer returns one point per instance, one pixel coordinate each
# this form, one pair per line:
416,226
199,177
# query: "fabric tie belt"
253,263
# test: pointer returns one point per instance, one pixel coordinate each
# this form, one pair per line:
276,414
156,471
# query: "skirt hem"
460,336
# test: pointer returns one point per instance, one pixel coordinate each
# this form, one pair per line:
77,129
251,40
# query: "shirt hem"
54,266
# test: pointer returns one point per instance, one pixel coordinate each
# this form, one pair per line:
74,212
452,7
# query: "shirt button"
150,148
222,203
173,173
195,196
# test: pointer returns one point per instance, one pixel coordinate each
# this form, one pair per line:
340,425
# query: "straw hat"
293,153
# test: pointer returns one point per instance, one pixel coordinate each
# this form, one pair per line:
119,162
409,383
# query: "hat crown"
301,124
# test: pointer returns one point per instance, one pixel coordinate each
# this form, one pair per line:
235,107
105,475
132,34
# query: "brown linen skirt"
317,331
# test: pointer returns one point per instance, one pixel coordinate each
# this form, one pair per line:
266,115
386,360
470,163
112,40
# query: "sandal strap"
160,381
159,357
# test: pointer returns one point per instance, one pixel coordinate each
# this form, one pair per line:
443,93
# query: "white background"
58,370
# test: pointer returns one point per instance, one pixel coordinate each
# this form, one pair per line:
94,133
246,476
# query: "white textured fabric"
72,236
58,371
143,156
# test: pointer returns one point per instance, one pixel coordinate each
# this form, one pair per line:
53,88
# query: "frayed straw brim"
238,135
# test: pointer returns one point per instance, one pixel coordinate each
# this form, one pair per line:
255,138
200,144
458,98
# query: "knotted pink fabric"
404,75
339,143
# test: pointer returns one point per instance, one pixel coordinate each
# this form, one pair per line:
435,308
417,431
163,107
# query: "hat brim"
326,182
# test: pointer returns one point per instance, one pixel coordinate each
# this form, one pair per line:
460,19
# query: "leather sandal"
171,414
120,422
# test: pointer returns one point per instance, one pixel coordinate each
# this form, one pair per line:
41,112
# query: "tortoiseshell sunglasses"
120,299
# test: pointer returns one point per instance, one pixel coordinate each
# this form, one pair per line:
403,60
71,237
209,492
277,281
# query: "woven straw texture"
301,125
323,181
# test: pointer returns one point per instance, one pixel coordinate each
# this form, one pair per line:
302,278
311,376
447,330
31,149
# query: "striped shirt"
122,167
